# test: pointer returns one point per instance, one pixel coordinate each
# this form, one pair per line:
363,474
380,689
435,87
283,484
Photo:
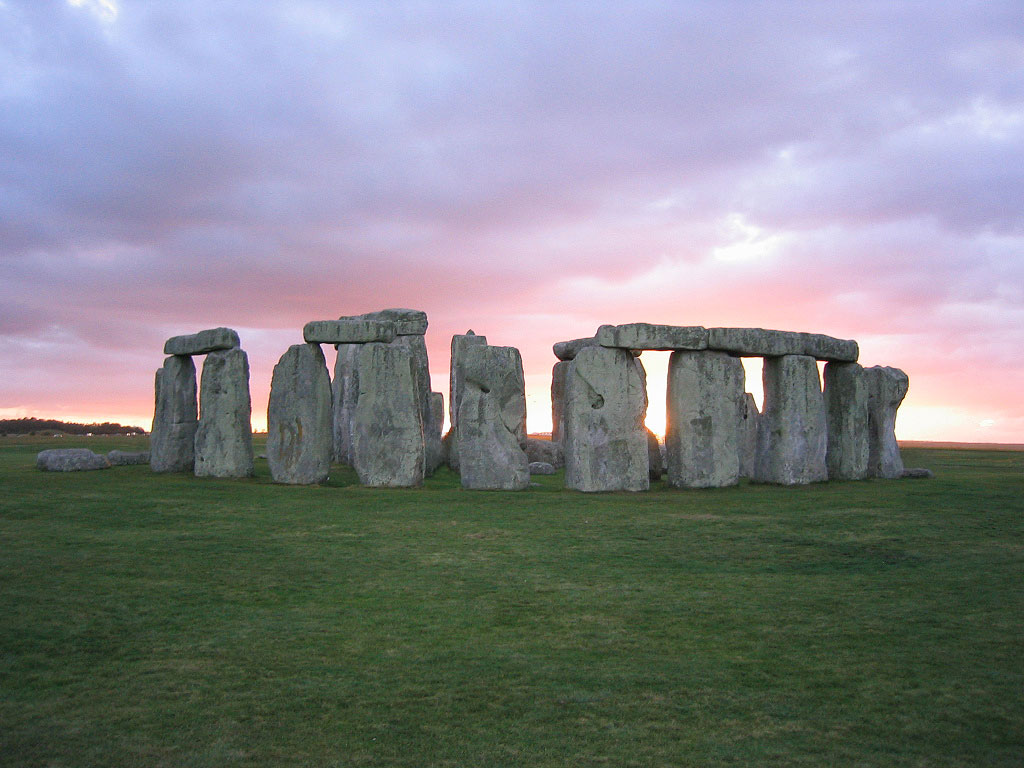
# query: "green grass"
173,621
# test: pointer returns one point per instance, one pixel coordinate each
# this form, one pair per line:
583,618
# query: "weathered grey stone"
748,436
344,394
655,458
758,342
348,330
492,420
917,473
567,350
417,346
558,374
792,433
460,343
70,460
175,417
433,444
407,322
202,343
886,389
541,468
127,458
605,439
648,336
547,451
846,412
387,428
224,434
299,433
705,404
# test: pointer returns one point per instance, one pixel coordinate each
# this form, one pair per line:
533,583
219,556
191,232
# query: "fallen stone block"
917,473
127,458
547,451
641,336
202,343
70,460
541,468
348,330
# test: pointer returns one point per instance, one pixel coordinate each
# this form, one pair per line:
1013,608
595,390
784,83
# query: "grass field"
172,621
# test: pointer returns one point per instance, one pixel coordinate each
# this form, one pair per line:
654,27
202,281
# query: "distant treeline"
33,426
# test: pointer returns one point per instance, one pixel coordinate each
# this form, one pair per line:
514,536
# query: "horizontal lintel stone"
640,336
407,322
348,330
567,350
201,343
758,342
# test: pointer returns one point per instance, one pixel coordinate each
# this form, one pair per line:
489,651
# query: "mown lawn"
153,620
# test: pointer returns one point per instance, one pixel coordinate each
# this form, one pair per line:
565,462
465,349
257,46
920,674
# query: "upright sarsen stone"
224,434
175,417
558,375
387,429
605,438
299,439
748,436
344,394
792,433
460,343
492,419
846,409
705,403
886,389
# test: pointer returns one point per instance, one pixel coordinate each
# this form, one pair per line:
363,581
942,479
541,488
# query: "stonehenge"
379,415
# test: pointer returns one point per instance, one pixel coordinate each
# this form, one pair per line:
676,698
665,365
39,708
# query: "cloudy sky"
527,170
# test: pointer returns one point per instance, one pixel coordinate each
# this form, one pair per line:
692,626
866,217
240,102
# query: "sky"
528,170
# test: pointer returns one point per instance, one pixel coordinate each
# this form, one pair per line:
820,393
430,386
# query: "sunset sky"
527,170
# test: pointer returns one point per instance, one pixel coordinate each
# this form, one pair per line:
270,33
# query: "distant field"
167,620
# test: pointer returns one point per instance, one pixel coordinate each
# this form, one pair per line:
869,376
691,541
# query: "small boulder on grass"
70,460
127,458
541,468
918,473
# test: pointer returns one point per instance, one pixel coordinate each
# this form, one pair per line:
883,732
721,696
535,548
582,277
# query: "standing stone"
846,411
886,389
460,343
605,439
655,460
344,394
387,429
224,434
705,403
175,417
558,375
299,440
791,434
492,417
417,346
434,446
748,436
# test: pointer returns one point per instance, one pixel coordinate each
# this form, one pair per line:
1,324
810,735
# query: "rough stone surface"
647,336
558,374
387,428
792,432
655,458
224,434
886,389
758,342
917,473
175,417
202,343
541,468
567,350
460,343
705,405
547,451
433,445
299,433
127,458
846,413
70,460
605,439
748,436
348,330
492,420
417,346
344,394
407,322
